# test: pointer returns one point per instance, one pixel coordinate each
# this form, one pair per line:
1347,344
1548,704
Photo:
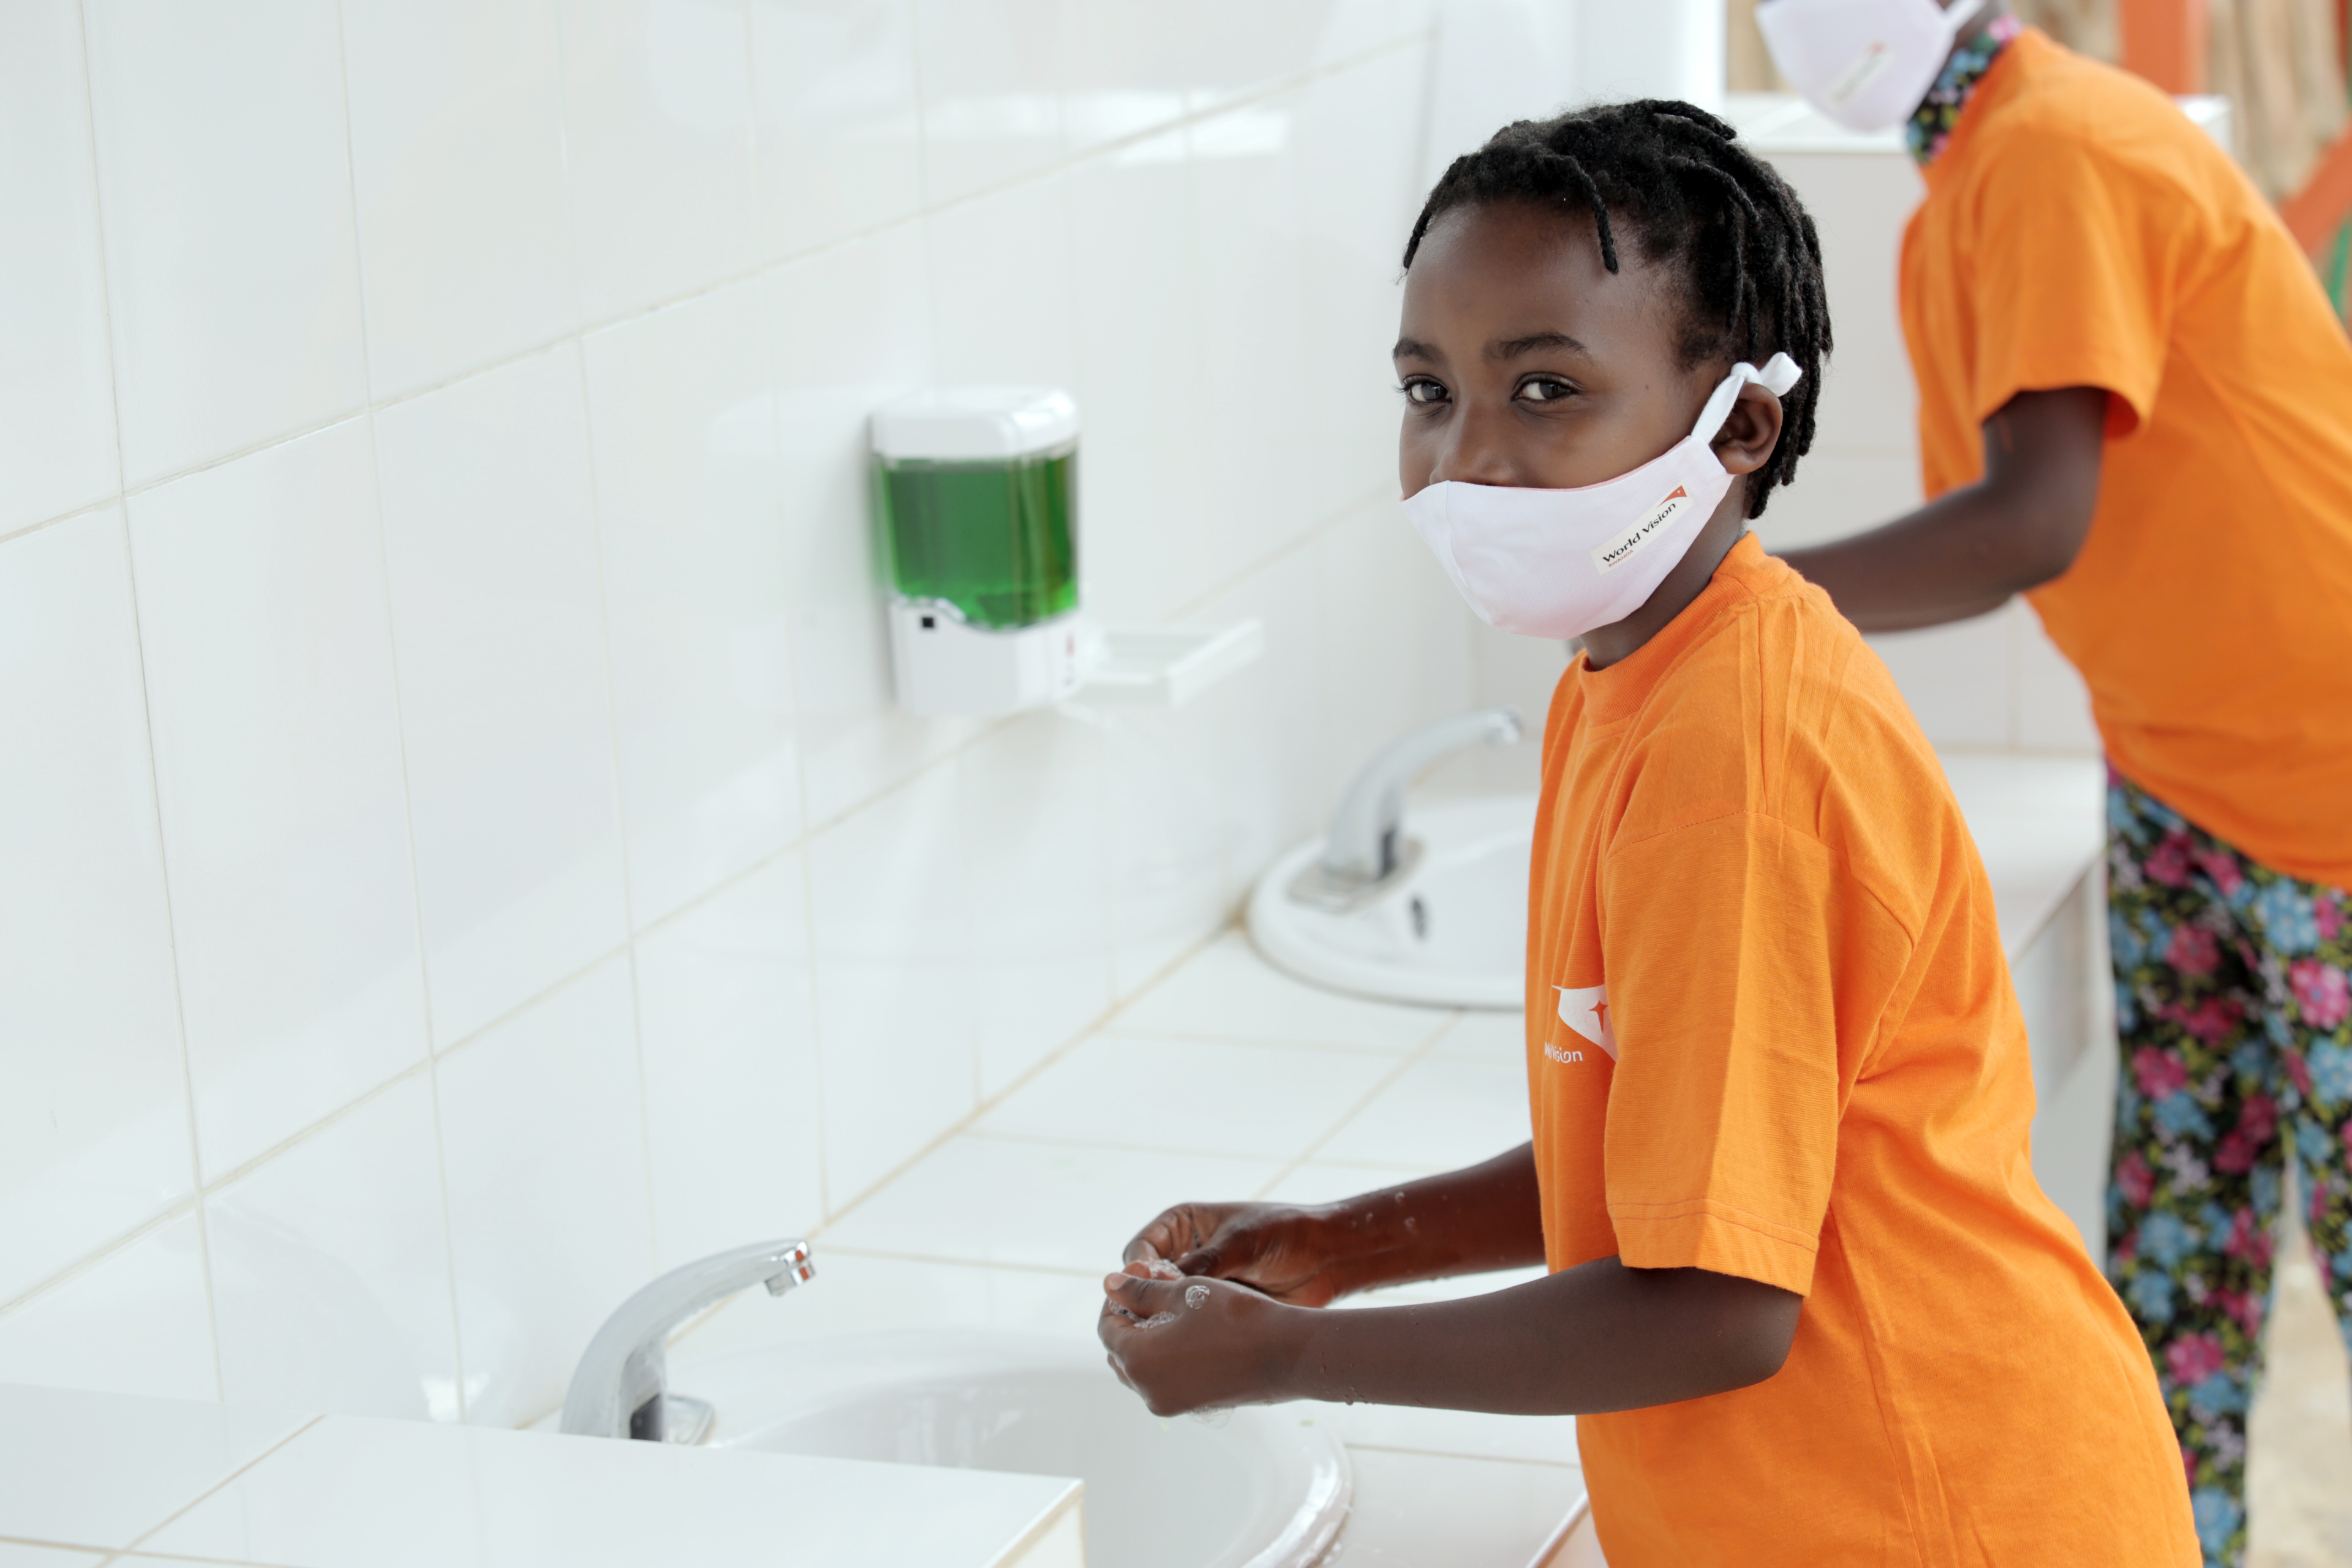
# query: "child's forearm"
1598,1337
1471,1221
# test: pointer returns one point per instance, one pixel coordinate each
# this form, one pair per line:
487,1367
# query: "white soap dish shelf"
1164,667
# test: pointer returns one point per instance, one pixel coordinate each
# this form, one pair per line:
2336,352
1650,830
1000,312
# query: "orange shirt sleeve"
1723,942
2072,260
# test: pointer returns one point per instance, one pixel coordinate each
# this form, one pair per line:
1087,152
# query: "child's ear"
1753,429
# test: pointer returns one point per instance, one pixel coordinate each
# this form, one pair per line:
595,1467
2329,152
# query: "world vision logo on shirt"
1585,1009
1609,557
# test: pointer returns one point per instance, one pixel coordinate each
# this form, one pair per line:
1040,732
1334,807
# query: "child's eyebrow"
1512,348
1413,348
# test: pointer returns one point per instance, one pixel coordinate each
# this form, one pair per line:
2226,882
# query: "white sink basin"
1259,1487
1452,932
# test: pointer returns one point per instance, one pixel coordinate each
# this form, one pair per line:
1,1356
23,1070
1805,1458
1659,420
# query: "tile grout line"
216,1486
619,799
147,722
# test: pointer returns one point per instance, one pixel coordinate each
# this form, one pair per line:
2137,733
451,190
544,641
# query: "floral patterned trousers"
2232,1007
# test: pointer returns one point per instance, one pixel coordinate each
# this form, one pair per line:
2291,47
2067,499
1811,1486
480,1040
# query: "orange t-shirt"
1771,1034
2079,231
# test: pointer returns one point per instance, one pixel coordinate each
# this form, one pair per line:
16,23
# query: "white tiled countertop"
96,1477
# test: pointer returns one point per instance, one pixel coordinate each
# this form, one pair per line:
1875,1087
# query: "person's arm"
1471,1221
1241,1326
1597,1337
1966,552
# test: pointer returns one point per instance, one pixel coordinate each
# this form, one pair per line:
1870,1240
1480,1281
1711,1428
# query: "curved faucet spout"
1364,848
618,1389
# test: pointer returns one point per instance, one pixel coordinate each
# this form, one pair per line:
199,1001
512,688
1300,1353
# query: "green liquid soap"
992,538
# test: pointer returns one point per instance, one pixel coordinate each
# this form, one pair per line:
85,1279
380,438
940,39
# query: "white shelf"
1166,667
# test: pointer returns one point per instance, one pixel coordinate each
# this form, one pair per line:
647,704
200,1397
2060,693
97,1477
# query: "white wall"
456,853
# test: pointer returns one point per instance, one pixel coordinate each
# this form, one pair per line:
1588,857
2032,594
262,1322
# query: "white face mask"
1558,562
1866,64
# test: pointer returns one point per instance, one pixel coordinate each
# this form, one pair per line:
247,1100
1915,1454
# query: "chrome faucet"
1365,851
618,1390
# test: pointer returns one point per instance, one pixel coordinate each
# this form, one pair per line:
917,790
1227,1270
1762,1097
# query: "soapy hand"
1277,1250
1189,1344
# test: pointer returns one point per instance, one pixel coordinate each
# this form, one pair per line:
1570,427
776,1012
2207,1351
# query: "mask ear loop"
1780,373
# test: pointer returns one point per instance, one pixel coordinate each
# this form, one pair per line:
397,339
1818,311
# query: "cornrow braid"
1678,184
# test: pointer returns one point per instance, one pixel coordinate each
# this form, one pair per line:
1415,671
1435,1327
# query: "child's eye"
1545,389
1424,391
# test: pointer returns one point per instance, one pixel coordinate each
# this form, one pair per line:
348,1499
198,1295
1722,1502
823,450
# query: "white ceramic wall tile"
224,181
1250,289
1205,1096
330,1270
856,1293
696,595
894,983
1859,204
1358,199
1485,1037
1274,746
543,1153
490,532
15,1555
658,111
57,403
1427,1510
276,733
733,1122
1125,70
1396,643
991,76
851,327
1140,491
1518,672
1039,1206
1839,493
840,133
457,159
1034,858
1166,826
353,1492
1242,48
1957,678
1001,289
105,1469
1442,1112
1229,992
2053,706
135,1321
93,1127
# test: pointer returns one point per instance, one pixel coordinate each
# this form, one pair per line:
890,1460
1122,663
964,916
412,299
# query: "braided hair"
1694,199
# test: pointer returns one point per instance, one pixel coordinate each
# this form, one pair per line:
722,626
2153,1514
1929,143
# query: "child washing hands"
1803,1289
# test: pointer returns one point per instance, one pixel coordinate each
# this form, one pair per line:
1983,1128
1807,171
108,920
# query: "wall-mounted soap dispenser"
976,490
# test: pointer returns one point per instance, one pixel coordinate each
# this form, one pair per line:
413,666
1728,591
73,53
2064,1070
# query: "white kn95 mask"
1866,64
1558,562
